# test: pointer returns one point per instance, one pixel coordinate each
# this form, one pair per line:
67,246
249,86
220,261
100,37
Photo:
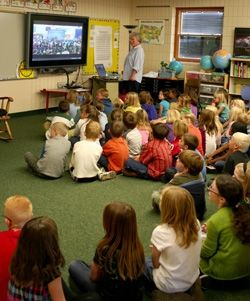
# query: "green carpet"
77,207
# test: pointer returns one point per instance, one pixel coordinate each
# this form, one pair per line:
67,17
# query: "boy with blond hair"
52,163
17,211
85,156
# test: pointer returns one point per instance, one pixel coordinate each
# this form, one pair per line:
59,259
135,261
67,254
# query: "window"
198,32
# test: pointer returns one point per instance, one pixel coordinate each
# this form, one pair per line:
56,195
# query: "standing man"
133,65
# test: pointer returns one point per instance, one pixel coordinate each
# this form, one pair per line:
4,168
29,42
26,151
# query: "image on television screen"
56,42
242,42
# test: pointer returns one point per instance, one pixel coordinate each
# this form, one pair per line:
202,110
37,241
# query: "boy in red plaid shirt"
154,159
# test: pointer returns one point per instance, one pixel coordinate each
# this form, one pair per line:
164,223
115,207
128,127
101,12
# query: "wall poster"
152,32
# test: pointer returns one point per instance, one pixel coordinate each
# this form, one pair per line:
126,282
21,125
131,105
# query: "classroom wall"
236,14
26,92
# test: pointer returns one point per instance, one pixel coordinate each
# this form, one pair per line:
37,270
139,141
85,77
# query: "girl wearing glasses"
225,251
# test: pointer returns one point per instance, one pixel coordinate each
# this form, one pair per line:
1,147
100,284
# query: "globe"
245,92
206,62
221,59
176,66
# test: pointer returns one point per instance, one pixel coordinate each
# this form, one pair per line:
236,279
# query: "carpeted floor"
77,207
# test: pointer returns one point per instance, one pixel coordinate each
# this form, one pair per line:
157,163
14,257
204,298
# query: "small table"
55,92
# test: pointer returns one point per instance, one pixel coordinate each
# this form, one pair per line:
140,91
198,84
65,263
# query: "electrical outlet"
60,85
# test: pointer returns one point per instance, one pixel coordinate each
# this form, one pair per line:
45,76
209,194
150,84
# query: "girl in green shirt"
225,251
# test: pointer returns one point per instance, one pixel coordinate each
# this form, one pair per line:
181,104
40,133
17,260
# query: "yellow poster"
111,59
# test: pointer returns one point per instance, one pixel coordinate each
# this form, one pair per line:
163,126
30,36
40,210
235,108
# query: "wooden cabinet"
154,85
206,84
239,75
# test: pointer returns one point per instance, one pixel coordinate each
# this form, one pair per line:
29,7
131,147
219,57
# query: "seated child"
103,119
86,153
173,95
116,114
143,126
164,104
175,246
221,102
146,102
61,116
115,151
184,105
239,145
51,165
190,120
132,134
190,142
189,166
102,95
224,254
118,265
17,211
242,174
155,157
132,102
118,103
87,99
88,112
218,157
35,266
179,128
75,101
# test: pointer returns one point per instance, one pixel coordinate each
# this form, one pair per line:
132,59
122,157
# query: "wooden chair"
5,131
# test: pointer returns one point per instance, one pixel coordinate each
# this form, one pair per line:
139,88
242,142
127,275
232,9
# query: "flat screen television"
242,42
56,40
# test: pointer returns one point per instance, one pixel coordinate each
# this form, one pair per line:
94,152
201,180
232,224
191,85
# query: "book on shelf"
241,69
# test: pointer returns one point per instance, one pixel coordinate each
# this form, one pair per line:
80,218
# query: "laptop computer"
102,73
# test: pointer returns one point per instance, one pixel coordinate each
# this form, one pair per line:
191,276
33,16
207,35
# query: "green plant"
164,64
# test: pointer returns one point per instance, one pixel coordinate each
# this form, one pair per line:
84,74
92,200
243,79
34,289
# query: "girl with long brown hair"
118,265
35,267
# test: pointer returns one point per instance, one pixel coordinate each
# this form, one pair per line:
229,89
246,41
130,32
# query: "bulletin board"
114,27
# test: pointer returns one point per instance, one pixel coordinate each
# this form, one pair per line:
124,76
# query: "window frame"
177,36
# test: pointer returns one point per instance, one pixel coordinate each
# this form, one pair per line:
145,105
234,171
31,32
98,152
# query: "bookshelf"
207,84
239,75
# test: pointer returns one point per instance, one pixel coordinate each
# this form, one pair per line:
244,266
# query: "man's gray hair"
136,35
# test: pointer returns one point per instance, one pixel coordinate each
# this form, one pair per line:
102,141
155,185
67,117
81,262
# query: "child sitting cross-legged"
116,271
189,166
63,116
51,164
115,151
86,153
155,157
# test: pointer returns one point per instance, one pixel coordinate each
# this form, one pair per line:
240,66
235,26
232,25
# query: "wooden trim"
180,10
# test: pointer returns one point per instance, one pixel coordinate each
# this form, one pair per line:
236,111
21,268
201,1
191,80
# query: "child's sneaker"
106,175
